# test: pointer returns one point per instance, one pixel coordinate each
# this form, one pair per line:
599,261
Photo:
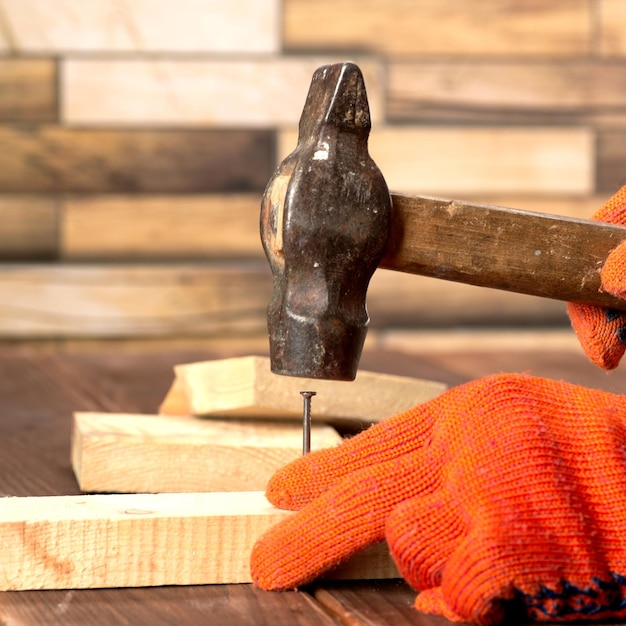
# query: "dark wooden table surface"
39,392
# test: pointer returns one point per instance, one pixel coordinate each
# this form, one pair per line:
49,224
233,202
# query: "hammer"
328,221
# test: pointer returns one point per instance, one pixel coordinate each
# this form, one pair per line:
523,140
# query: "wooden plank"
253,93
28,90
5,48
611,167
28,227
223,299
139,540
160,227
612,15
364,604
54,159
123,301
246,387
243,605
238,26
451,27
103,227
209,455
508,92
480,160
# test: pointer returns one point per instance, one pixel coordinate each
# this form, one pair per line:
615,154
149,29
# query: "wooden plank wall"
136,137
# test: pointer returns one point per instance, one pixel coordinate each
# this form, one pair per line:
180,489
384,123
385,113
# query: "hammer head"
325,222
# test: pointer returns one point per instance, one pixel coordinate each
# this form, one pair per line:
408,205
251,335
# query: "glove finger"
432,601
613,211
601,333
305,479
422,533
339,523
613,272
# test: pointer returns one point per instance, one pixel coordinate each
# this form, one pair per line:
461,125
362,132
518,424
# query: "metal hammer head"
325,222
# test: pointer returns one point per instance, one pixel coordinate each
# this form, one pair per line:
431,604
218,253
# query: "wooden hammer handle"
488,246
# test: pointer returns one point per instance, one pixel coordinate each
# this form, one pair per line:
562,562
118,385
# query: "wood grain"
371,604
611,169
243,605
223,299
612,14
209,455
28,90
253,93
508,92
246,387
54,159
28,227
138,540
238,26
471,160
160,227
532,253
452,27
119,301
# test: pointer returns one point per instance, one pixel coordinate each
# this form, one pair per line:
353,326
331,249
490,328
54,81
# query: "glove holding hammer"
506,495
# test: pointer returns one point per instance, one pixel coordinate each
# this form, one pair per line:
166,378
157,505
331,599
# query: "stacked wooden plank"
136,139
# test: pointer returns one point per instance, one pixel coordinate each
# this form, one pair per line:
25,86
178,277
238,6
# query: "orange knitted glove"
602,332
506,491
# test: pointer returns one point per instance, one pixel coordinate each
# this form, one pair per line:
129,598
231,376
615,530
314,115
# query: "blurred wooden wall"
136,137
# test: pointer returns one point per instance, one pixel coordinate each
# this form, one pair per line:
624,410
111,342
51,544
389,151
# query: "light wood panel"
54,159
480,160
612,14
449,27
143,540
28,90
127,301
46,26
508,91
250,93
160,226
246,387
186,300
209,455
28,227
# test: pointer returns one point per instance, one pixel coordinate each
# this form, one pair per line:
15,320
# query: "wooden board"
189,26
611,169
28,227
160,227
612,14
209,455
263,92
55,159
508,92
137,540
28,90
222,299
449,27
246,387
471,160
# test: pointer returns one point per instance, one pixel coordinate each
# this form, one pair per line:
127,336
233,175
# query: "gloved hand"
602,332
507,490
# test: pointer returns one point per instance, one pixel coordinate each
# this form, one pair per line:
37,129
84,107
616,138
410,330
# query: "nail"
306,420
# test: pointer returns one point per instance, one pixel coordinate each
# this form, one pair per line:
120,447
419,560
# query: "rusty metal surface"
325,222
